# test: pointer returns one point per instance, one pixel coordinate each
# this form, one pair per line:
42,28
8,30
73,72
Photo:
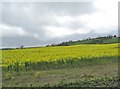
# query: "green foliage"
89,81
99,40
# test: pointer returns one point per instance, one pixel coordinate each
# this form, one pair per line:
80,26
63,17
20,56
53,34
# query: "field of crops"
60,54
57,63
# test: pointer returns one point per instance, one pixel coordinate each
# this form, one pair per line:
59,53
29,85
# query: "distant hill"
6,48
98,40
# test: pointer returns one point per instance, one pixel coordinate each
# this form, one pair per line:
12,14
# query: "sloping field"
58,53
61,66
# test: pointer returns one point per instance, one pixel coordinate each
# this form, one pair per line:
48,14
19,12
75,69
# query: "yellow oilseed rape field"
58,53
77,65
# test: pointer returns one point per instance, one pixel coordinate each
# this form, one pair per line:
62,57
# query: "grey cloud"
76,25
34,17
31,41
65,8
20,40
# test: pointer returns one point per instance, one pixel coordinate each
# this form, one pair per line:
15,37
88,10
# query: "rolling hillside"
86,63
101,40
91,65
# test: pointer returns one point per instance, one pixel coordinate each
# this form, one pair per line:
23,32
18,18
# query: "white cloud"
36,36
107,5
11,31
53,31
64,19
104,20
49,21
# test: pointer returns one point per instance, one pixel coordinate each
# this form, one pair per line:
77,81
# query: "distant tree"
110,36
114,36
105,37
98,37
89,38
70,41
53,44
21,47
86,39
47,45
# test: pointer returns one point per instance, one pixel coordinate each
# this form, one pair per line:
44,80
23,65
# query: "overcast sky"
41,23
